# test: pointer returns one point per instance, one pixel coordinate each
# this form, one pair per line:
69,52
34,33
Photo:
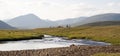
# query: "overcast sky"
57,9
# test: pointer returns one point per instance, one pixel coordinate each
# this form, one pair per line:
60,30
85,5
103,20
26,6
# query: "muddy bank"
65,51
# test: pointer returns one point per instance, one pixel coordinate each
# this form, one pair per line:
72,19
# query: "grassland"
110,34
107,54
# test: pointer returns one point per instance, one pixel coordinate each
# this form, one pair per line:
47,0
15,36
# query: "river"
47,42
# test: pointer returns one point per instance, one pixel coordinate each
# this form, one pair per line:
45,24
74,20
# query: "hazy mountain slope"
104,23
100,18
70,21
4,25
32,21
29,21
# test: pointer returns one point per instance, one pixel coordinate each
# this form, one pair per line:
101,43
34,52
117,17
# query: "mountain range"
99,18
31,21
70,21
4,25
102,23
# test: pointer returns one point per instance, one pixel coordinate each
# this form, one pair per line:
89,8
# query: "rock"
73,45
65,51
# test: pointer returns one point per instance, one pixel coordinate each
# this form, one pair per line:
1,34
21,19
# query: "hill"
103,23
69,21
99,18
4,25
29,21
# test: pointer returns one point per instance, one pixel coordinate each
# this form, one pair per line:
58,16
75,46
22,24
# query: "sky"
57,9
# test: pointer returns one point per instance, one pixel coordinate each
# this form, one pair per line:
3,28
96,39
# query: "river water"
46,42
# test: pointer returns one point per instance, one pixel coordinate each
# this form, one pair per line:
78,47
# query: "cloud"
111,4
54,9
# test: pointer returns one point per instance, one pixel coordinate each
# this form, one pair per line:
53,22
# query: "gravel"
64,51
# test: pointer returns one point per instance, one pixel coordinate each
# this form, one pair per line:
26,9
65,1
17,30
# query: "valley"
27,33
59,27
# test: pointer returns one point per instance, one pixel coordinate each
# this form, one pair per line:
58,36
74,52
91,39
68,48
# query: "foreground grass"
107,54
109,34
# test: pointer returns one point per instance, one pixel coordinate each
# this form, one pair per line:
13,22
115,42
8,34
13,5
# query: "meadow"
110,34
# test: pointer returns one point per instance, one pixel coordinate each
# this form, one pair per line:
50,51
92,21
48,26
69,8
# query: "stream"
47,42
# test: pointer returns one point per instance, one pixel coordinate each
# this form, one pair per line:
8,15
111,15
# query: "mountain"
103,23
69,21
4,25
29,21
99,18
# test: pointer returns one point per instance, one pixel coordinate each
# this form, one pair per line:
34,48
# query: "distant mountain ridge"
99,18
70,21
29,21
103,23
3,25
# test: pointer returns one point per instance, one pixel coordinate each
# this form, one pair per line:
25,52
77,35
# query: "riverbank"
65,51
